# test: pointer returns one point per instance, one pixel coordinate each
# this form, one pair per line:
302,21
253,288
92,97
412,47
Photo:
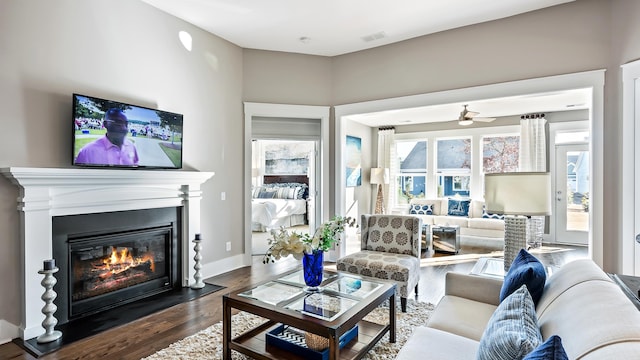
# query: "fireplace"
110,259
48,194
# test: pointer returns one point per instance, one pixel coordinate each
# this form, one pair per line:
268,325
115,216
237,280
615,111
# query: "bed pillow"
512,331
551,349
267,194
528,270
458,207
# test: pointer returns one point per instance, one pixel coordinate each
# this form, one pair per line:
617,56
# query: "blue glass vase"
313,267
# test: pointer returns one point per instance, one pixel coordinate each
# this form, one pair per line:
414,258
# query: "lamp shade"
518,193
379,176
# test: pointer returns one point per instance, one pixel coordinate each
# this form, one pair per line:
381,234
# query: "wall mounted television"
108,134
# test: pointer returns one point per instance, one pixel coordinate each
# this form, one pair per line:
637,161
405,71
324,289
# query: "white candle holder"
49,308
197,266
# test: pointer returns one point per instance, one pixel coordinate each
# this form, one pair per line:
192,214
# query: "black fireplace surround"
107,260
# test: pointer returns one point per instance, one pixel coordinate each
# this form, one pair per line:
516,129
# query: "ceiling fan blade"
485,119
470,114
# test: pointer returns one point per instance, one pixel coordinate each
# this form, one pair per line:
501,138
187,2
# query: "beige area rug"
207,344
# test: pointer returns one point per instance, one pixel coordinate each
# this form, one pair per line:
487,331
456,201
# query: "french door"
572,194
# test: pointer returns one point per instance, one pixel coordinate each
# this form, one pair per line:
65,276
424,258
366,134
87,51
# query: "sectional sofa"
579,304
475,223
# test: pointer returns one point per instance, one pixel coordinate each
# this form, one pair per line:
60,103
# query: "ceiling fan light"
465,122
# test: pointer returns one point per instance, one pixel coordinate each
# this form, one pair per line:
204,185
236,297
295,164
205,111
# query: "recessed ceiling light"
185,39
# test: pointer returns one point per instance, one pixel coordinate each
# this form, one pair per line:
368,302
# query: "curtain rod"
532,116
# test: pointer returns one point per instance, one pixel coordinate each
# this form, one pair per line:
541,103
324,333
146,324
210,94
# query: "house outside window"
454,166
411,175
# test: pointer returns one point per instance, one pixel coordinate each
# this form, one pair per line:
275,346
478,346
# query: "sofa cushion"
525,269
489,224
457,207
549,350
461,316
512,331
431,343
463,222
421,209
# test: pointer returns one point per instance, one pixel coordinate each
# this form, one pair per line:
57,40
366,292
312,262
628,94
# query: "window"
454,166
500,154
411,174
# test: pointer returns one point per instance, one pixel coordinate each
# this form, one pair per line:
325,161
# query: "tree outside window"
500,154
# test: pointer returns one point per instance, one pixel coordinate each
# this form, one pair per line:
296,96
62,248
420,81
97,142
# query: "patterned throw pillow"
458,207
267,194
512,331
525,269
421,209
488,215
551,349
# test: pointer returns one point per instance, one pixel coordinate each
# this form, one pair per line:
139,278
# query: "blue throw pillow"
421,209
488,215
512,331
551,349
528,270
458,207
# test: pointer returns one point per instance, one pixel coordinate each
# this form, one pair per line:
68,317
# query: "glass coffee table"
446,238
335,313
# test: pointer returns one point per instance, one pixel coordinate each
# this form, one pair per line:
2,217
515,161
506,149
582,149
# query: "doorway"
283,191
572,194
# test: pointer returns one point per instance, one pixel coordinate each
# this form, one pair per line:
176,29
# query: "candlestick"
197,266
49,308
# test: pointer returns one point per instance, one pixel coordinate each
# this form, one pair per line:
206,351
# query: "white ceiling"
335,27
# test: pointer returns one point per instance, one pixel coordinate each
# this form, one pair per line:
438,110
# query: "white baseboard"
8,331
222,266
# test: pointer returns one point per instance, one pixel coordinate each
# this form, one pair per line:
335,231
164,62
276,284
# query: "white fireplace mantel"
49,192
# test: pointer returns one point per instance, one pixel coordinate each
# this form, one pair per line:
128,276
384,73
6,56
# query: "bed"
280,202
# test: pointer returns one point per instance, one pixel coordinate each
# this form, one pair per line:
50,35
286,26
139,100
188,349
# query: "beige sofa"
472,227
590,313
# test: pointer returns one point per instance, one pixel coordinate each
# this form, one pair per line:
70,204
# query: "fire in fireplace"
110,259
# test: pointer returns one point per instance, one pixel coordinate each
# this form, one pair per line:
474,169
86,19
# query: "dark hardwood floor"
152,333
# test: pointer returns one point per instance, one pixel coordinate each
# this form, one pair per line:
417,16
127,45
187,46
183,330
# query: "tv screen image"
108,133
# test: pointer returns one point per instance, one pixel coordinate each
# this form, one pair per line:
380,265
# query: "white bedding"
267,214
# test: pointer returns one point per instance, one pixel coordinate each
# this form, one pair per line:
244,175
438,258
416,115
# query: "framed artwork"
354,161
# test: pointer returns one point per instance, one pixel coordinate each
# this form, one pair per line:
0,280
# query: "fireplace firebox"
110,259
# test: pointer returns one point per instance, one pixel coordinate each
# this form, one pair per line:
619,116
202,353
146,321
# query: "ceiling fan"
467,117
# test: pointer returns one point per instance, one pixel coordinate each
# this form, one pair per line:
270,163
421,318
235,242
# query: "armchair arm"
479,288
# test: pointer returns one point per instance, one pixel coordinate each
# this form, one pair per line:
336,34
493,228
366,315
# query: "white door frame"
593,80
252,110
630,212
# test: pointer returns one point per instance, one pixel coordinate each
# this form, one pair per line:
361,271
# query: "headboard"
274,179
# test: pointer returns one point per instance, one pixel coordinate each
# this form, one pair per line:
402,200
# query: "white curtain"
533,143
385,145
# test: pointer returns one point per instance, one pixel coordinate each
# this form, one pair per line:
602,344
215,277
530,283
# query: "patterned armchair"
390,250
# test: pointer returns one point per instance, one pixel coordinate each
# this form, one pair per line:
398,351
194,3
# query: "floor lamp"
525,199
379,176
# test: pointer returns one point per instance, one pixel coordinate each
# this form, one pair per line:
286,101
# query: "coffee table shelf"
253,342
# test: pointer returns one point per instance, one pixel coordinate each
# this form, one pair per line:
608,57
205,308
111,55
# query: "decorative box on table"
293,340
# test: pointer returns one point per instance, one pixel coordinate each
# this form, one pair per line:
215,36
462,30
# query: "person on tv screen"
113,148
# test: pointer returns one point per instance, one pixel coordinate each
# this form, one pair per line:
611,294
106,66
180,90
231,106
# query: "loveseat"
475,223
579,303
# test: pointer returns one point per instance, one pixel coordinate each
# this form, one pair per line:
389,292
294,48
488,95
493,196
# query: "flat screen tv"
108,133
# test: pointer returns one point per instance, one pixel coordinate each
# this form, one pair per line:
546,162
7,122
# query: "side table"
630,285
446,238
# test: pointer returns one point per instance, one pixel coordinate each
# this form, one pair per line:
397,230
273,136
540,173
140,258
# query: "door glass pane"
577,191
